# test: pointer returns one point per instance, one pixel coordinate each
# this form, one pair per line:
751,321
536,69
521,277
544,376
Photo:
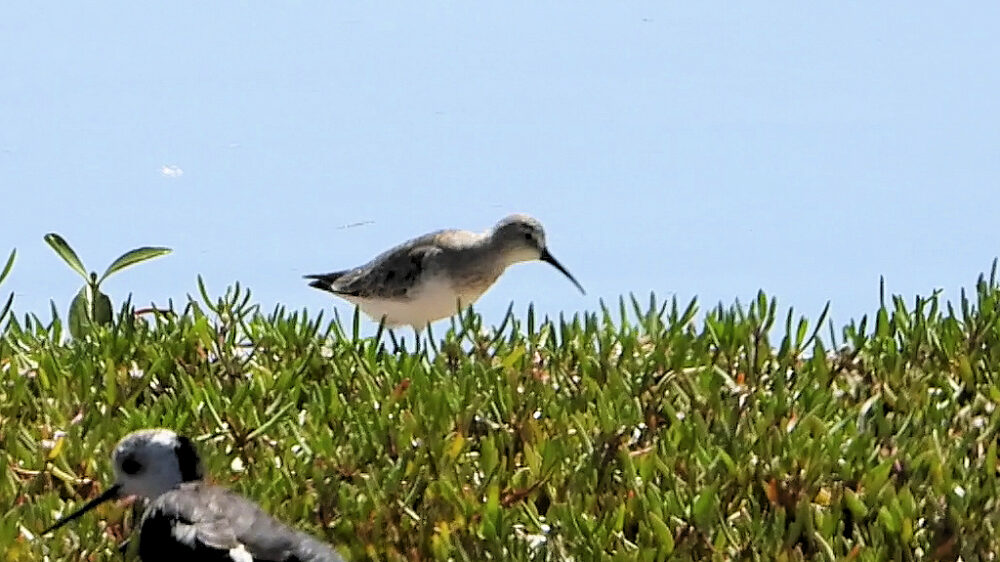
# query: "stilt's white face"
150,462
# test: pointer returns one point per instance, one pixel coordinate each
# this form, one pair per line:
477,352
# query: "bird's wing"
390,275
219,522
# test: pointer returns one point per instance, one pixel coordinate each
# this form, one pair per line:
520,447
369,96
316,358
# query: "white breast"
434,299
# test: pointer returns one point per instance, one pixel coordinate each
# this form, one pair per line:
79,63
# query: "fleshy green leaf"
704,504
6,307
3,275
662,533
101,312
133,257
89,307
66,253
79,320
889,520
10,264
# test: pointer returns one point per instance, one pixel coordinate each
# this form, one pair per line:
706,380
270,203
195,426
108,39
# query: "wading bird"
188,520
433,276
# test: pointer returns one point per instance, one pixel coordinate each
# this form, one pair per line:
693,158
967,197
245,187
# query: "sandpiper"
190,520
433,276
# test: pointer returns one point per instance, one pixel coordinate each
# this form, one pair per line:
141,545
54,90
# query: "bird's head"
150,462
146,463
521,238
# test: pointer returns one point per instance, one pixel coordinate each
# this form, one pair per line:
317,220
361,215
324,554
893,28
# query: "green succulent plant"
3,275
91,307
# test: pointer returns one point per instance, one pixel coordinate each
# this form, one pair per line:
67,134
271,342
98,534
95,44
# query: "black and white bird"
190,520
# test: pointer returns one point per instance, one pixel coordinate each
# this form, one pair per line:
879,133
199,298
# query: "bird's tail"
324,281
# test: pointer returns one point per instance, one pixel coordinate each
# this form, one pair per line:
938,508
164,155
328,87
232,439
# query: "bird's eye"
528,236
131,466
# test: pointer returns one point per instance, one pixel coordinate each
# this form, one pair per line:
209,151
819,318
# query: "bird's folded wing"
390,275
212,518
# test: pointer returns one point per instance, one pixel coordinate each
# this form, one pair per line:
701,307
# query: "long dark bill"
547,258
109,494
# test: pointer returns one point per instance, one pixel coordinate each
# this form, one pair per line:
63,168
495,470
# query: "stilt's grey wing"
214,521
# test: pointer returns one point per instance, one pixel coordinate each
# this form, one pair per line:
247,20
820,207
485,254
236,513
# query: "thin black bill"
547,258
109,494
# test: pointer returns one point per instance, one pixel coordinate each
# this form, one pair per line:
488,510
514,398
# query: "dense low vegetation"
645,432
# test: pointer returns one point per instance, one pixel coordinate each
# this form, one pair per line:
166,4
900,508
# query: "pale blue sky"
690,148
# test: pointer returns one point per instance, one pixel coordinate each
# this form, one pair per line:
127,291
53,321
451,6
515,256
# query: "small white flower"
136,372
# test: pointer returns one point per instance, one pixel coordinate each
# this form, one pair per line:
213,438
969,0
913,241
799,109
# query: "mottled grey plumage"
432,276
190,521
198,521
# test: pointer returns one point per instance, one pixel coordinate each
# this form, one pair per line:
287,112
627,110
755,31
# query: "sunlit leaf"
8,266
704,505
62,248
133,257
662,533
6,306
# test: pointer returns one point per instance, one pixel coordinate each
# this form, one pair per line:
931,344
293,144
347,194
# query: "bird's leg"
416,338
378,338
395,343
